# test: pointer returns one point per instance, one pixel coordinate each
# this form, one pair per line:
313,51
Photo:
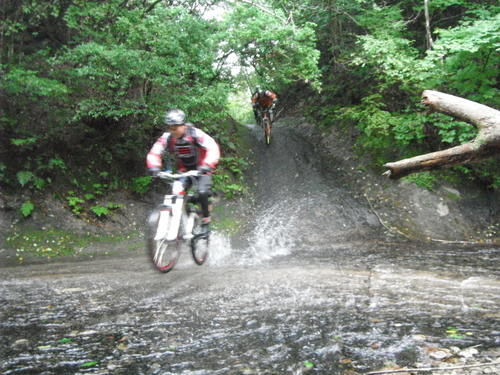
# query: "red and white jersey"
195,148
265,99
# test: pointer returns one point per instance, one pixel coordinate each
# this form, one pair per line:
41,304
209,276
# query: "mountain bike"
266,123
176,221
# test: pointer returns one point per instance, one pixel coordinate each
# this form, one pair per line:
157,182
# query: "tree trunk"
486,145
428,33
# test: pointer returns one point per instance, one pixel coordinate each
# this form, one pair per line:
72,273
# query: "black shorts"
204,183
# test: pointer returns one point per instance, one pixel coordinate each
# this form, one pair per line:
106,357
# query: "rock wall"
449,212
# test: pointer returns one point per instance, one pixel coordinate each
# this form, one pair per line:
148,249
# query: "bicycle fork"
171,217
188,218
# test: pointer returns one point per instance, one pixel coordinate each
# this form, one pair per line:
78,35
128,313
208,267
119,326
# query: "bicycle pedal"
188,236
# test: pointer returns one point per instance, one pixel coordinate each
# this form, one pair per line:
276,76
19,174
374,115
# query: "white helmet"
175,117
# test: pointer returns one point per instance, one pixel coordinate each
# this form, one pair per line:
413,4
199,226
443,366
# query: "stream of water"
317,288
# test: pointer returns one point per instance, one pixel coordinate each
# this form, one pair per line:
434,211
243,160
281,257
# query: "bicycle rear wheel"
267,130
200,243
164,254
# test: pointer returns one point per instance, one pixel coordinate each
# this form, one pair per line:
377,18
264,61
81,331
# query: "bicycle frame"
265,123
173,222
264,113
169,227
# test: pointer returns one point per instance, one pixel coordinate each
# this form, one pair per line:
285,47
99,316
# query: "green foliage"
24,177
89,364
454,132
51,243
228,178
391,59
386,135
40,175
469,59
145,64
235,165
141,184
27,208
100,96
391,63
75,203
3,167
100,210
230,191
84,107
114,206
57,162
80,206
308,364
279,51
23,142
453,333
18,81
222,183
103,211
239,106
422,179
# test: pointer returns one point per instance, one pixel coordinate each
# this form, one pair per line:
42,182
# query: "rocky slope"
447,213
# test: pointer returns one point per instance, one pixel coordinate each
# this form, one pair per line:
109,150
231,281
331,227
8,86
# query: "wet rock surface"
305,311
446,212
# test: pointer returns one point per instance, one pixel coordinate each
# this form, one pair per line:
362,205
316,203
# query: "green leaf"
27,208
24,177
141,184
114,206
100,210
22,142
73,201
39,182
89,364
308,364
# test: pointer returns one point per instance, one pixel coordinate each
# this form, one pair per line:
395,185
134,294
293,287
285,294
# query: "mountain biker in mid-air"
194,150
263,99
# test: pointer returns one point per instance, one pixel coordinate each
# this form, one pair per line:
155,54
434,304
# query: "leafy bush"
27,208
141,184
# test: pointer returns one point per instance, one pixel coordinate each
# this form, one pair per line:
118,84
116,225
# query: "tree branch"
486,145
430,42
411,370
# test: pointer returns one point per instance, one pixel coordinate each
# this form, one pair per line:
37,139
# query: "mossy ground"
30,243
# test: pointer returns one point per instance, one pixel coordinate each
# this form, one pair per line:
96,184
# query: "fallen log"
486,145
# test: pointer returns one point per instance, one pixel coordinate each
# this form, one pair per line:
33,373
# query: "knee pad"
204,193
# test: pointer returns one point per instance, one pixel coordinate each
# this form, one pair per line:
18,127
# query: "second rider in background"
194,150
263,99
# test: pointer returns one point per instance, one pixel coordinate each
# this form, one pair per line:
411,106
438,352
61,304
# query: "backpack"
188,153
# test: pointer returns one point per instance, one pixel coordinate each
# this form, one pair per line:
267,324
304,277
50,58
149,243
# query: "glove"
204,169
154,171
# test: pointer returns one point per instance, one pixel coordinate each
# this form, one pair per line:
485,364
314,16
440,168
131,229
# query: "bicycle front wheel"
200,243
267,131
164,254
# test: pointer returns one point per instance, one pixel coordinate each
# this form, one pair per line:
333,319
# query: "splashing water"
271,238
220,250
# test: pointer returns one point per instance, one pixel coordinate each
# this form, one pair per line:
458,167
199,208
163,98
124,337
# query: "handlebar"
176,176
